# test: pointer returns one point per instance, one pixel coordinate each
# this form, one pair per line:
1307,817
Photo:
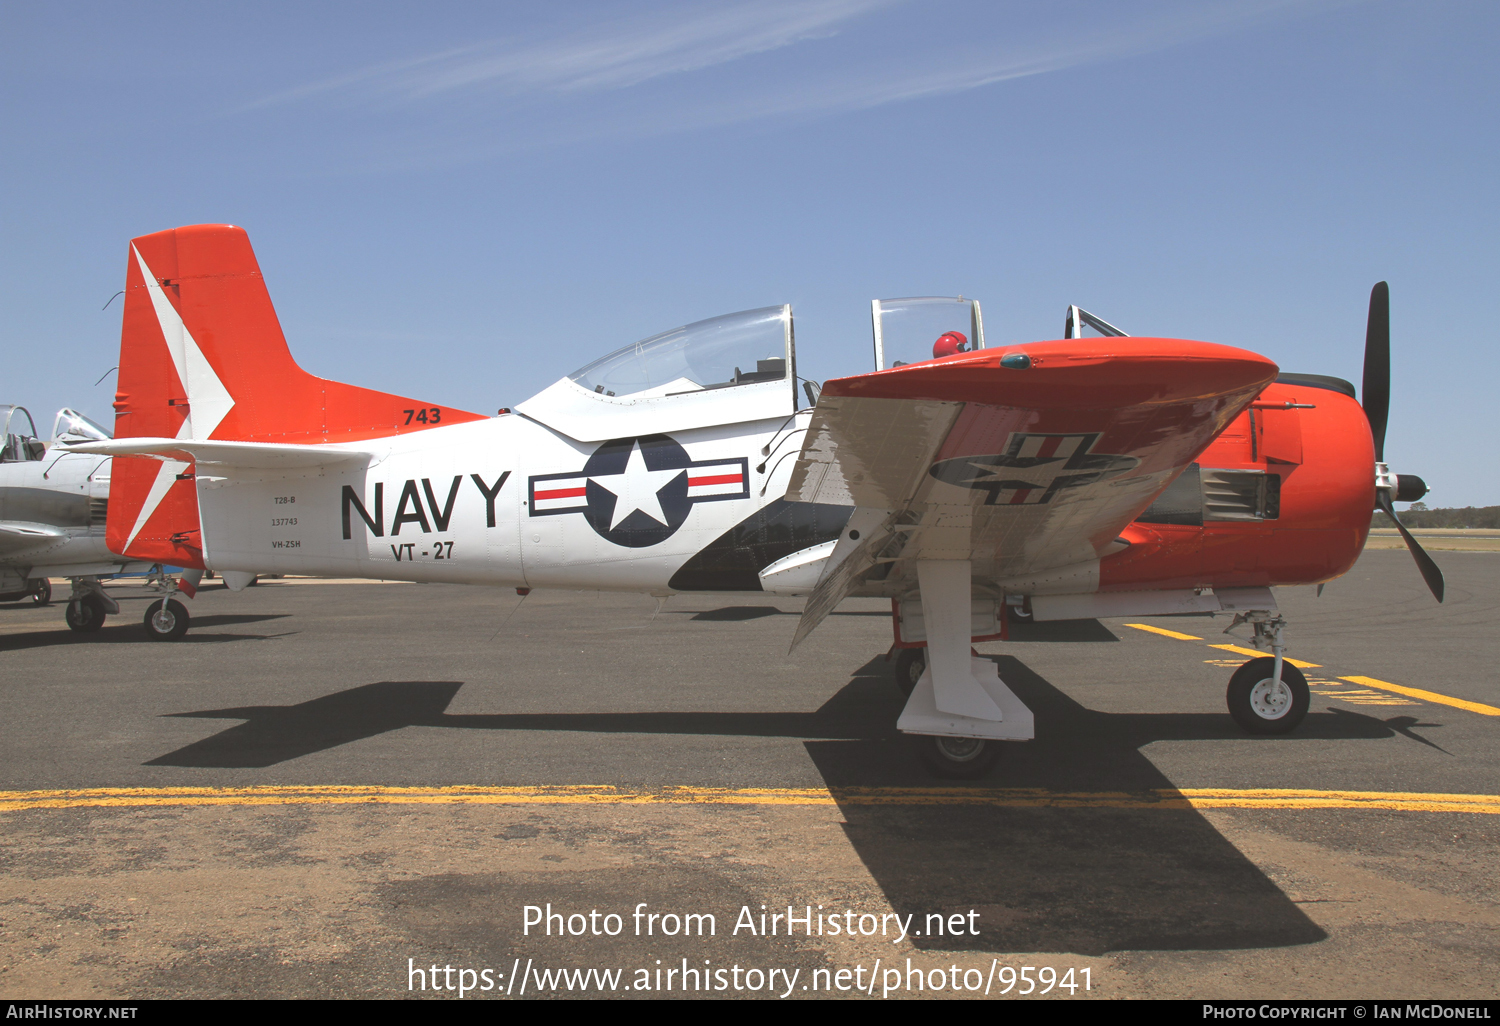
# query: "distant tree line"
1420,516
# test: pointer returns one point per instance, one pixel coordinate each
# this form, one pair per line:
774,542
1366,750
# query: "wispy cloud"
611,79
609,55
974,66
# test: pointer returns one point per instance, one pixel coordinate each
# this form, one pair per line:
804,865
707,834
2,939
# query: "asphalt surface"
243,890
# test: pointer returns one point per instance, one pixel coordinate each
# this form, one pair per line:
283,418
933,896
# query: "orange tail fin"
202,356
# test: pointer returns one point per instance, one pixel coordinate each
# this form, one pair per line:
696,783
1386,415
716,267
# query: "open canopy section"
924,328
722,352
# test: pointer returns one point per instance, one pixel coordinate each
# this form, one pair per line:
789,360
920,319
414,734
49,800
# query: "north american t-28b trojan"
1081,477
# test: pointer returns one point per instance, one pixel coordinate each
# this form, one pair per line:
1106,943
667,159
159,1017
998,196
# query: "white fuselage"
502,501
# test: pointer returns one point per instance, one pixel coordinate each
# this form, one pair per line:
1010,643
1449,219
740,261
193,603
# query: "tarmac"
334,789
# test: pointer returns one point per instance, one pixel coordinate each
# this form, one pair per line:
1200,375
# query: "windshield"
736,349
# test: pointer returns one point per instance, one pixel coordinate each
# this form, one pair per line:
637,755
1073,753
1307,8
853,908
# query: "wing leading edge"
1028,472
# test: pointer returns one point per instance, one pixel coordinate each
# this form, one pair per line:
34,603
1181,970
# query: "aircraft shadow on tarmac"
1044,879
127,630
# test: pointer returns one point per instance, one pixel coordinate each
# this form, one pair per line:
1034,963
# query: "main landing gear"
1267,695
88,606
956,758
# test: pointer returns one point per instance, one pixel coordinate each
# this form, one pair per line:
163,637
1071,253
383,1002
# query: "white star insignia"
635,488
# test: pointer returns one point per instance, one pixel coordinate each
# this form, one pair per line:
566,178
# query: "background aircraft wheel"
1264,706
41,591
909,667
957,758
86,614
167,624
1016,614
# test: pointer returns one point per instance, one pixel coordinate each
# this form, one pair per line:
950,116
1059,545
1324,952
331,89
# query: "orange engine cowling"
1282,497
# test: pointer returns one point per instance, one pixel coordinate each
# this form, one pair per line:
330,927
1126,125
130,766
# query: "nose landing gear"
1267,695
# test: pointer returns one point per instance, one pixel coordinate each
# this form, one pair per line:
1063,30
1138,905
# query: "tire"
1017,614
910,665
41,592
86,615
166,624
1259,705
957,758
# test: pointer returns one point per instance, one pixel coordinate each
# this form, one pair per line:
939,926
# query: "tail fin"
202,356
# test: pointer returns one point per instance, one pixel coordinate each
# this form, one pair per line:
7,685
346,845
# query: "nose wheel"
1264,705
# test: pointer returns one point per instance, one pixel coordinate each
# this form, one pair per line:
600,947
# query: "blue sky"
463,202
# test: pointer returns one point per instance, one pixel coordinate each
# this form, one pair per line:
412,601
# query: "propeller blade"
1430,572
1375,392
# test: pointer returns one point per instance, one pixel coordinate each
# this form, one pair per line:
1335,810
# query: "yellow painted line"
1252,652
1426,696
1164,632
602,794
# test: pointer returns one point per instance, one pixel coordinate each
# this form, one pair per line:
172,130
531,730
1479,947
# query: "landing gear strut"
1267,695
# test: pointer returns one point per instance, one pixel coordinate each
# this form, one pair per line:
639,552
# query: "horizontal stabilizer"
239,455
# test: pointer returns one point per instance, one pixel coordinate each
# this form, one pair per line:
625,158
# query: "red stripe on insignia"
1049,447
693,482
1020,496
563,493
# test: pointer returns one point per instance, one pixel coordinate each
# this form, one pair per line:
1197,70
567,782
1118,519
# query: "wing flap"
869,452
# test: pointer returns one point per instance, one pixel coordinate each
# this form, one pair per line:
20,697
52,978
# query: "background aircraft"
53,510
1073,478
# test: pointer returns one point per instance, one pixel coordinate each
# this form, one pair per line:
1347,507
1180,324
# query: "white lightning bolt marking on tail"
209,402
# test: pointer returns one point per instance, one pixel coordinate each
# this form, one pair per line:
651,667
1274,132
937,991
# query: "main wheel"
166,623
1264,705
41,591
957,758
910,665
85,615
1018,614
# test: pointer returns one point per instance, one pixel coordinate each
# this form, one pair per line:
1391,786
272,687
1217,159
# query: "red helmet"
948,343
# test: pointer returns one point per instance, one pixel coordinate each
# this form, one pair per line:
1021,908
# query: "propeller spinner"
1376,399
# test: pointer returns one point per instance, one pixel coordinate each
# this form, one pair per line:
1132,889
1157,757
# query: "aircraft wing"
1027,462
210,453
18,536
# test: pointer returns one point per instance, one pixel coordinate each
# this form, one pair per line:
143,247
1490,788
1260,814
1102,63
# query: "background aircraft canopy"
18,441
735,349
71,425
